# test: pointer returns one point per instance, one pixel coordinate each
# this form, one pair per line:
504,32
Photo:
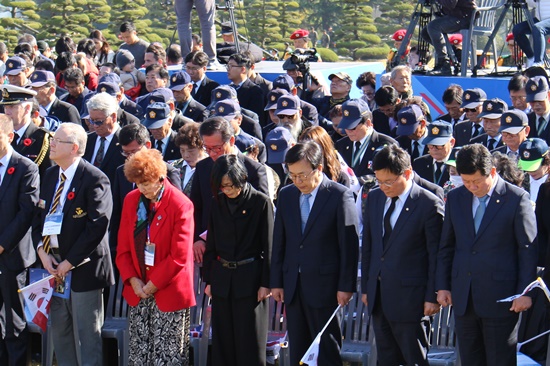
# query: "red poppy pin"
70,196
27,142
11,170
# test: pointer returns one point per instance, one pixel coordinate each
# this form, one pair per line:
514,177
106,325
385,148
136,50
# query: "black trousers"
486,341
14,337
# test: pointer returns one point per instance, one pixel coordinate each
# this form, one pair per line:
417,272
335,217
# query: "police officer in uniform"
29,140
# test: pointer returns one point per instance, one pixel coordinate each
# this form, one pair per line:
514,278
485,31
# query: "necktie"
356,152
438,172
541,127
478,130
513,155
304,210
480,211
491,144
415,151
387,221
55,204
15,139
182,176
100,153
194,90
159,145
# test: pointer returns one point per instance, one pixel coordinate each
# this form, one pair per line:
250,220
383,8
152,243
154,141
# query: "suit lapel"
378,225
320,200
406,212
296,218
76,184
495,204
111,149
466,211
347,151
21,147
7,178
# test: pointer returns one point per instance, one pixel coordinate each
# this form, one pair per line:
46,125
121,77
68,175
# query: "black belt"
234,265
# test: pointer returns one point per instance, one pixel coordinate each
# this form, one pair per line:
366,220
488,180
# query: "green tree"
262,20
291,17
64,17
134,11
322,13
23,18
394,15
357,28
163,20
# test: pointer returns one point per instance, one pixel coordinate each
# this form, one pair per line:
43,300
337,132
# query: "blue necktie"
304,210
480,211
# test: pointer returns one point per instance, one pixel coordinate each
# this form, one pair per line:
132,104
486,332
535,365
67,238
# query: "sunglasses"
470,110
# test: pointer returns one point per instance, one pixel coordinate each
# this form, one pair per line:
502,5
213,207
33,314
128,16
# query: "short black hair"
309,151
73,74
241,59
517,82
25,48
157,50
114,68
216,124
127,27
508,169
386,95
44,65
87,46
173,54
392,158
453,94
65,44
366,78
64,61
474,158
134,132
198,58
231,166
163,73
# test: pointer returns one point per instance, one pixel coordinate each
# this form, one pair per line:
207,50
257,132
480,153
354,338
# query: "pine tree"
134,11
263,21
291,17
163,20
23,19
64,17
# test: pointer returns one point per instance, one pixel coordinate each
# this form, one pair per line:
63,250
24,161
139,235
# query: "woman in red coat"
155,260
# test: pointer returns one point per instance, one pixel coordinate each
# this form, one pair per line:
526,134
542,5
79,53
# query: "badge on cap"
152,114
221,109
489,106
35,76
174,78
103,90
273,147
273,98
526,154
467,96
509,119
284,103
400,37
404,121
435,131
10,65
5,93
533,87
346,113
218,95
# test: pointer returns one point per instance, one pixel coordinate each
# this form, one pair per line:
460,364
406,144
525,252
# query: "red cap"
455,38
509,37
299,33
399,35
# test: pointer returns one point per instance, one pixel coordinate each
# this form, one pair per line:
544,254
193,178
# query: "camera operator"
453,16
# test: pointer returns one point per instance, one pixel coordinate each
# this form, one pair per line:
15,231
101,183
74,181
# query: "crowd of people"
266,189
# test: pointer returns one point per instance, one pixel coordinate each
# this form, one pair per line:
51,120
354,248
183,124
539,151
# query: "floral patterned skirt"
157,337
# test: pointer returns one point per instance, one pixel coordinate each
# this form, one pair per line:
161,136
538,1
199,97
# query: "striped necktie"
55,205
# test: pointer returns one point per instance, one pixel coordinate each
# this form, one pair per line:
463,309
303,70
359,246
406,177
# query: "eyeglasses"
386,183
300,177
473,110
230,66
98,122
368,93
127,154
226,187
283,116
58,141
215,149
436,147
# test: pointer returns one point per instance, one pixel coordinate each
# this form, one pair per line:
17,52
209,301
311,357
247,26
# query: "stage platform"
430,88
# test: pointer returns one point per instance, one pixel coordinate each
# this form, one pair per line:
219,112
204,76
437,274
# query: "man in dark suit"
491,112
132,139
195,65
103,149
250,95
315,253
43,83
218,137
19,183
537,96
452,100
79,195
181,85
487,252
158,120
362,140
386,99
472,101
440,142
29,140
402,228
412,130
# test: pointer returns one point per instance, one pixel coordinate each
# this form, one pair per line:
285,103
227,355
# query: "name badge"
52,224
150,254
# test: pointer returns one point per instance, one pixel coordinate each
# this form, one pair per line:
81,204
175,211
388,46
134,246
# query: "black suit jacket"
251,127
203,95
172,152
324,257
434,188
542,212
113,156
447,118
195,111
132,108
84,228
65,112
406,143
18,199
381,123
533,123
424,167
201,193
121,187
484,140
35,145
462,133
251,97
345,148
403,270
